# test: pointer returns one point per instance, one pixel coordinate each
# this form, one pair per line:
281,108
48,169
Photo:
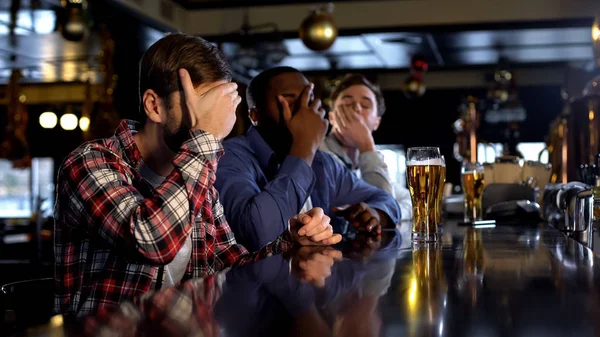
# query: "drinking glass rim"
475,164
424,148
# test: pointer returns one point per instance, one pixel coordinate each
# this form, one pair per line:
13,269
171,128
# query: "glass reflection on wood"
427,291
474,261
471,270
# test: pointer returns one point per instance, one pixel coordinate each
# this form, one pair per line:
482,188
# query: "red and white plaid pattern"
112,229
183,310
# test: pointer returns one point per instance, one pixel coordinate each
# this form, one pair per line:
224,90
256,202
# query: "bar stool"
30,300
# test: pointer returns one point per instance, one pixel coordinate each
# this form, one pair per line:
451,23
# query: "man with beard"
358,106
138,211
275,170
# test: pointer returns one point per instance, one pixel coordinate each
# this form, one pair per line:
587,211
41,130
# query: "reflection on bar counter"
428,290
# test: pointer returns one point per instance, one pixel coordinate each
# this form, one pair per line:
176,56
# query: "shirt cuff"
300,172
370,161
204,144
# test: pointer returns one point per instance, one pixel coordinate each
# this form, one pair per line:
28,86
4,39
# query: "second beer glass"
473,184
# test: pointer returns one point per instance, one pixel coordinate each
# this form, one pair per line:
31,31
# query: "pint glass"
473,182
424,173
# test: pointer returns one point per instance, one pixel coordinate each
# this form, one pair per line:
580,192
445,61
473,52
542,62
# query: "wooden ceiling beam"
54,93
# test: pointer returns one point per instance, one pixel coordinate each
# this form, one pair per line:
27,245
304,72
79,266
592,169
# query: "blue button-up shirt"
260,195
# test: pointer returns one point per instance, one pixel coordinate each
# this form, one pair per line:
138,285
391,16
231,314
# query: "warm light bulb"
48,120
84,123
596,40
56,321
68,122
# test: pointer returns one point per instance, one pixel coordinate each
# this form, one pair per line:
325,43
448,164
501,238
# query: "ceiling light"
318,31
596,39
48,120
84,123
68,121
74,27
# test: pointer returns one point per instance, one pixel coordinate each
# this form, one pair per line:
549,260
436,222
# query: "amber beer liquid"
473,184
440,197
424,179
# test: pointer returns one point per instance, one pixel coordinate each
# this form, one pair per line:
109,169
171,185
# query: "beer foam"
426,162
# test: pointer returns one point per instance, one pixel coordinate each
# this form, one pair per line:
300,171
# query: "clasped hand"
313,228
312,260
362,217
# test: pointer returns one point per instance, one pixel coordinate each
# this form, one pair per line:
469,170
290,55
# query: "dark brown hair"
358,79
160,63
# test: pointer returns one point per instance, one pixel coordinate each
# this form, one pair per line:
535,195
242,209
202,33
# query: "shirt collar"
262,150
124,135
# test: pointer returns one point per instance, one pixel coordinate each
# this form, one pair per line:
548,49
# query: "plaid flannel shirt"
112,229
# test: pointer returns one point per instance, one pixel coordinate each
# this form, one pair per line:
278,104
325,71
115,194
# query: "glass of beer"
424,173
440,194
473,183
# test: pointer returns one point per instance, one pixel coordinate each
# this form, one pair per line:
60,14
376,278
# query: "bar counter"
503,281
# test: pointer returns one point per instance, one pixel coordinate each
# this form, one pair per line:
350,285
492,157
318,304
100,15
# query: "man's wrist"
302,152
203,143
367,146
288,236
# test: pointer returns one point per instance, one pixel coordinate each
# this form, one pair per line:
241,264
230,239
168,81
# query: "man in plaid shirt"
138,211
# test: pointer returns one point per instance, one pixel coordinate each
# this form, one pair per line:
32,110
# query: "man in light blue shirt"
275,170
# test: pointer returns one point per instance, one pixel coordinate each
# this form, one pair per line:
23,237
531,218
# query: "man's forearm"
279,246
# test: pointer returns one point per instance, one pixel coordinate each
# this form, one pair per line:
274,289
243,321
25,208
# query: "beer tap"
571,208
472,130
580,216
465,129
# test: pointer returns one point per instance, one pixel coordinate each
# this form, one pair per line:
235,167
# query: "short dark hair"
358,79
160,63
257,89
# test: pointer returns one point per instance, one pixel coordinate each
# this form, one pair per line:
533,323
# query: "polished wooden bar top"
503,281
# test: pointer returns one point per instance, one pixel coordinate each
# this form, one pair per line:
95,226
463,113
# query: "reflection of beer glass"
427,291
440,194
470,280
472,184
424,172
